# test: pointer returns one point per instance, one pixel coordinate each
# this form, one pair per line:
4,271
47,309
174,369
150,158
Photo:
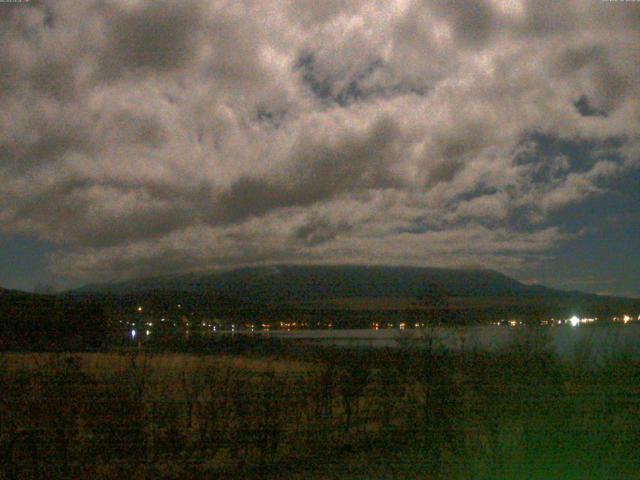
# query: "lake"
568,341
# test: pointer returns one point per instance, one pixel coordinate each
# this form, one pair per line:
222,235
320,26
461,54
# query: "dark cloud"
444,171
604,74
321,170
151,36
585,108
319,230
54,78
472,21
45,140
542,18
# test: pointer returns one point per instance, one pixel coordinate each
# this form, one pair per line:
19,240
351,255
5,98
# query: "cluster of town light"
574,321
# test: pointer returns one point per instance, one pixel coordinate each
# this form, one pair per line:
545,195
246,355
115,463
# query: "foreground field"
330,413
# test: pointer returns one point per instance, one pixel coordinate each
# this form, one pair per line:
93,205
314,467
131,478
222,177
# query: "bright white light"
574,321
139,309
626,319
148,332
133,334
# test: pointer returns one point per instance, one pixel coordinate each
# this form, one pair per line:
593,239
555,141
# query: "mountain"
307,283
461,293
344,296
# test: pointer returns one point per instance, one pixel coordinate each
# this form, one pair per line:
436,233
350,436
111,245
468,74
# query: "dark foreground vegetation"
322,413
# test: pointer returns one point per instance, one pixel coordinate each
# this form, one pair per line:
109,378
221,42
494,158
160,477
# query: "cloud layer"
154,137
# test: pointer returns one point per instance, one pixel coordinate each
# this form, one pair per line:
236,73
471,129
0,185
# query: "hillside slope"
306,283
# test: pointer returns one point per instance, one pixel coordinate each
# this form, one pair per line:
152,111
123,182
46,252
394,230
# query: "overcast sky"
150,137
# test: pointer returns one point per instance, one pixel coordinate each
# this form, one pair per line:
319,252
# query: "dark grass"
414,412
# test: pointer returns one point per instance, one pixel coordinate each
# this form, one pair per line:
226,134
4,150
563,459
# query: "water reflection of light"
133,334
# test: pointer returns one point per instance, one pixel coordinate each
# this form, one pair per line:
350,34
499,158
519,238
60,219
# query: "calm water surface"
568,341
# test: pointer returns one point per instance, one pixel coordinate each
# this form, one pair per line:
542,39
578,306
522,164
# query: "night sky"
149,137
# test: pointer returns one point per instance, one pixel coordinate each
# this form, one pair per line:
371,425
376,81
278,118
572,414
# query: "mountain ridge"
349,296
277,282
